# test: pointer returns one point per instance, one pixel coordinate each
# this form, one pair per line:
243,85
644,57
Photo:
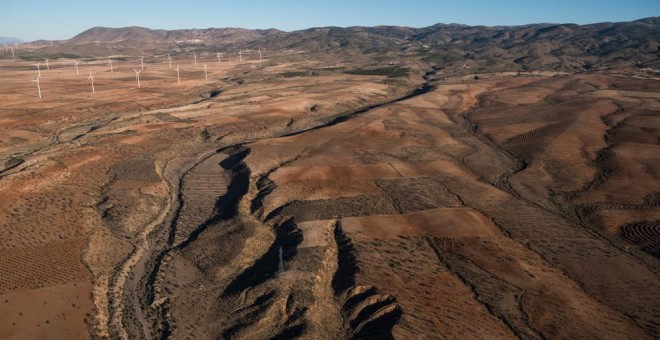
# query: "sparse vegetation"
442,58
390,72
293,74
418,191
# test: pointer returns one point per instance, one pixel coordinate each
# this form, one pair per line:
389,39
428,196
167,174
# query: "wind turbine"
195,58
12,53
92,79
178,80
38,86
169,59
75,64
137,76
141,63
240,55
38,65
259,54
110,62
51,43
218,55
48,67
206,75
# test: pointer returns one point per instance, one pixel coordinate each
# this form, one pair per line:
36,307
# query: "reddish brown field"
265,203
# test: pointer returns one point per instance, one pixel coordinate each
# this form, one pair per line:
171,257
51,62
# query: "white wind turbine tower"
92,79
75,64
48,67
206,75
12,53
169,59
38,65
110,62
195,58
259,54
137,76
218,55
240,55
141,63
38,86
178,80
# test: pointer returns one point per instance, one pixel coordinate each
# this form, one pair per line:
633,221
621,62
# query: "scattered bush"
390,72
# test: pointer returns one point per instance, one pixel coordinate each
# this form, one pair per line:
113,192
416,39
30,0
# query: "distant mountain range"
142,35
10,40
534,46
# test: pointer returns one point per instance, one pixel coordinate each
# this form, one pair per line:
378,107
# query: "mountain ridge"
10,40
144,34
545,46
91,31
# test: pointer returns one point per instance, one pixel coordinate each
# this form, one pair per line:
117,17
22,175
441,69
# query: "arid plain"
325,195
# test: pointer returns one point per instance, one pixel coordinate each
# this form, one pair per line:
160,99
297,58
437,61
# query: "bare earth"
268,203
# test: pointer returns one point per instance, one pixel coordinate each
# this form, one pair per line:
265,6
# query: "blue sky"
53,19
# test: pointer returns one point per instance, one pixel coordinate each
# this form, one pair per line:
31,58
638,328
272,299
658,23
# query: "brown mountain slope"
137,35
561,47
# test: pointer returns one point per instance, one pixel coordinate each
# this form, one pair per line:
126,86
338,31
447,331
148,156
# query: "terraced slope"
460,212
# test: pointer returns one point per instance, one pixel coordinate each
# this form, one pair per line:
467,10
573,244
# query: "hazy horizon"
62,20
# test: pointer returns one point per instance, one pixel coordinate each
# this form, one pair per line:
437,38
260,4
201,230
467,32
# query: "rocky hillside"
560,47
